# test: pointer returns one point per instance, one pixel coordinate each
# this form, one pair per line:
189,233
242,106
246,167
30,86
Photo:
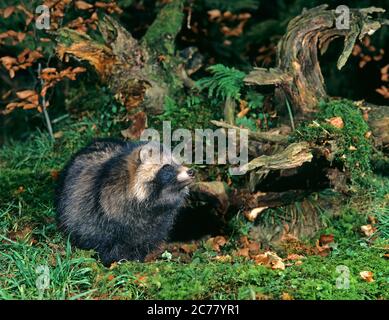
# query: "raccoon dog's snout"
185,175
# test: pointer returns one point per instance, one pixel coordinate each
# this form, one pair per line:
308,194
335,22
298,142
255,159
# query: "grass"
33,254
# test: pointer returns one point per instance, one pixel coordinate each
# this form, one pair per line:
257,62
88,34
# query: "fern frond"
224,83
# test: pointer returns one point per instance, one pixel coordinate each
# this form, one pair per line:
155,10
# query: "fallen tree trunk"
140,73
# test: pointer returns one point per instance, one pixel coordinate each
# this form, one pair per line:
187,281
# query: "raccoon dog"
121,198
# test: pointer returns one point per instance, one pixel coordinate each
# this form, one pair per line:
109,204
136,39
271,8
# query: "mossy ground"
29,239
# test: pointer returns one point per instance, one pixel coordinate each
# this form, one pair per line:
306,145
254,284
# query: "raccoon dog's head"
156,173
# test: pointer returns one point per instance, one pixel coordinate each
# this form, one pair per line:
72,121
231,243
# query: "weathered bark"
140,73
298,76
378,120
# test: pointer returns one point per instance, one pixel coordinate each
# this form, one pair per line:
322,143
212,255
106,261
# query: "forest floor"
33,254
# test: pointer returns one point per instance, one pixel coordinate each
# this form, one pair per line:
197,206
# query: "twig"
46,114
56,120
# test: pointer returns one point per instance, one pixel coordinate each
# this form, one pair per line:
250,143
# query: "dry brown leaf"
326,239
226,258
82,5
244,241
243,113
372,219
25,94
20,234
29,106
214,14
368,230
270,259
367,276
286,296
294,256
254,248
138,125
336,122
253,214
216,242
243,252
141,280
54,174
234,32
8,11
58,134
384,91
8,62
322,250
189,248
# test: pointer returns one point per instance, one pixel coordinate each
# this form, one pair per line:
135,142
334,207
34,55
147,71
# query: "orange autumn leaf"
336,122
383,91
367,276
322,250
29,106
25,94
286,296
189,248
8,62
51,76
270,259
8,11
82,5
216,242
385,73
243,252
368,230
54,174
294,256
326,239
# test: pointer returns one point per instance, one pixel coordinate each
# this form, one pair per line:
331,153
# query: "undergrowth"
31,243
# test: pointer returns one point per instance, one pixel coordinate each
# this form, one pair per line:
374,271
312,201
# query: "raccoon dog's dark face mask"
174,176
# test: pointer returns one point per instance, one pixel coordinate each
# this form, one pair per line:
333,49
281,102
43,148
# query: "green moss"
353,149
161,34
191,113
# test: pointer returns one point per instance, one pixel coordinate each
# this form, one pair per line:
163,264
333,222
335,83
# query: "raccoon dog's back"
111,199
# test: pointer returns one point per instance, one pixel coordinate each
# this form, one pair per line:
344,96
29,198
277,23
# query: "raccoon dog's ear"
137,156
150,154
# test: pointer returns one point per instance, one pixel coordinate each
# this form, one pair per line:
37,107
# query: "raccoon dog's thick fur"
119,198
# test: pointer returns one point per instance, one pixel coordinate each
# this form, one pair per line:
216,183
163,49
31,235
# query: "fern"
224,83
247,123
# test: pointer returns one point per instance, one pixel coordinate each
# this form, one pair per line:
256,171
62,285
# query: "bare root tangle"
298,76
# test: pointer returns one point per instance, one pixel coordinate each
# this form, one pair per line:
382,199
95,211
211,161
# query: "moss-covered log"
140,73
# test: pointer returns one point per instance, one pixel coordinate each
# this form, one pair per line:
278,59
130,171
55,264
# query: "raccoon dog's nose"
191,173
